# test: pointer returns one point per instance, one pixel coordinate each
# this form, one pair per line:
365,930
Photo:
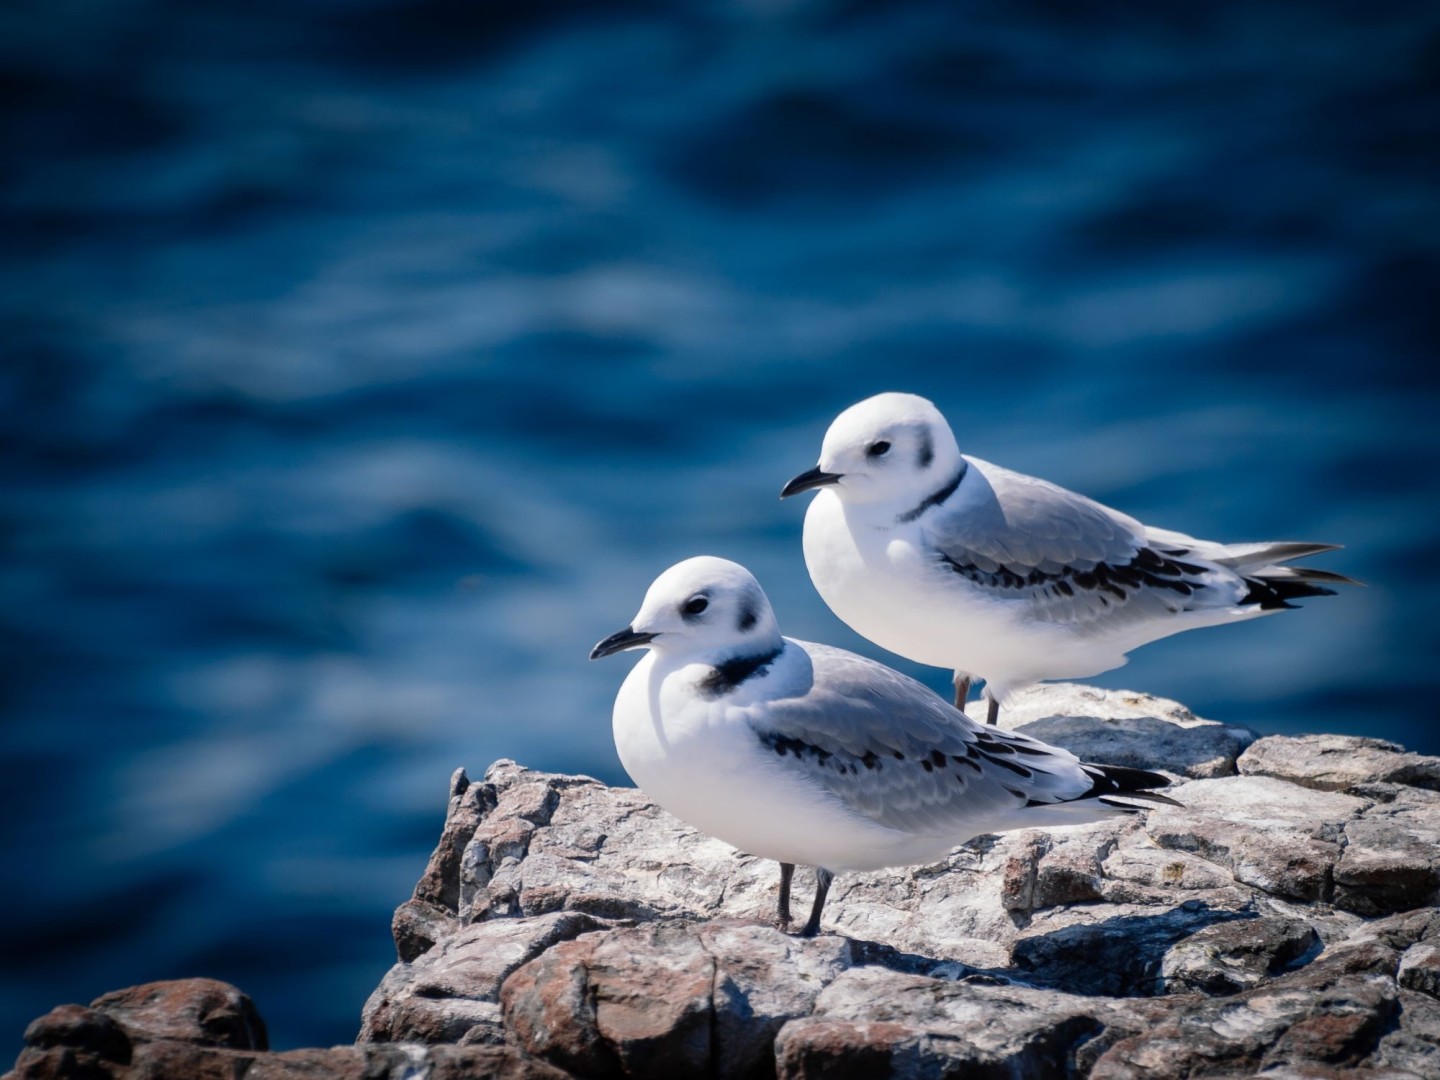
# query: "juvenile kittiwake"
811,755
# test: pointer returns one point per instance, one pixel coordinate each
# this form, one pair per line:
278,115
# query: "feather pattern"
1075,561
898,755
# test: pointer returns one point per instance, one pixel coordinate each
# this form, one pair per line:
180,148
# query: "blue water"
365,361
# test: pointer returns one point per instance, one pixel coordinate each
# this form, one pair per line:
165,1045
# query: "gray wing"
1072,559
898,754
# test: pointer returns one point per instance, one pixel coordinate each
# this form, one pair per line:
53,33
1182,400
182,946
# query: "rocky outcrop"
200,1029
1284,920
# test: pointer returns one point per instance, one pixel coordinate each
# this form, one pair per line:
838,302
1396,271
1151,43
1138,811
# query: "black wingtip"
1127,778
1139,796
1124,781
1275,594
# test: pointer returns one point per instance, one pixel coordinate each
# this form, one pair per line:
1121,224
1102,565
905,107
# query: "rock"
1051,869
1420,969
1119,727
182,1028
1338,762
1390,863
201,1029
1415,1039
1271,835
451,994
1118,955
200,1011
1285,920
669,998
89,1031
1232,956
869,1021
439,885
1401,931
1331,1013
72,1040
417,926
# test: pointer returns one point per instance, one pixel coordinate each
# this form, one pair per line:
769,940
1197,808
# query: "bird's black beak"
619,642
806,480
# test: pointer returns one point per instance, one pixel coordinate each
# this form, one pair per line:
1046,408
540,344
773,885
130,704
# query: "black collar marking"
724,678
936,498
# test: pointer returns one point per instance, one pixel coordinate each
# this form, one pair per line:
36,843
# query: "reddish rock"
175,1059
668,999
451,993
1017,883
205,1012
171,1059
87,1031
74,1042
184,1028
819,1049
632,1003
1070,873
490,1062
1342,1033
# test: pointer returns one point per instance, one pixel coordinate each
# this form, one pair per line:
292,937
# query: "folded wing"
899,755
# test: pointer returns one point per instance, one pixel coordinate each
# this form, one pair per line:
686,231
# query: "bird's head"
706,608
890,448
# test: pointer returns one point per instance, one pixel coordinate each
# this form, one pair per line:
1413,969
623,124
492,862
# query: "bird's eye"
695,605
877,449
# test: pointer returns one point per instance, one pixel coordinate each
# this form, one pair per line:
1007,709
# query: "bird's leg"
992,714
782,915
823,878
962,690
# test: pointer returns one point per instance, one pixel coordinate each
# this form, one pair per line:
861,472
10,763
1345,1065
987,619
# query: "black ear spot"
926,453
748,618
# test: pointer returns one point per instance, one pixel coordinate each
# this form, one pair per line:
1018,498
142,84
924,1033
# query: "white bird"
808,754
952,561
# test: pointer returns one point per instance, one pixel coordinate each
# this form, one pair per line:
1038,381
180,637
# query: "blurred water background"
365,360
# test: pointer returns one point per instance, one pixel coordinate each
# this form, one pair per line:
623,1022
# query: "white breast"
703,762
879,581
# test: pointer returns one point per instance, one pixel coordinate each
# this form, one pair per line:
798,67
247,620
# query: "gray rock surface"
1338,762
1285,921
1121,727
